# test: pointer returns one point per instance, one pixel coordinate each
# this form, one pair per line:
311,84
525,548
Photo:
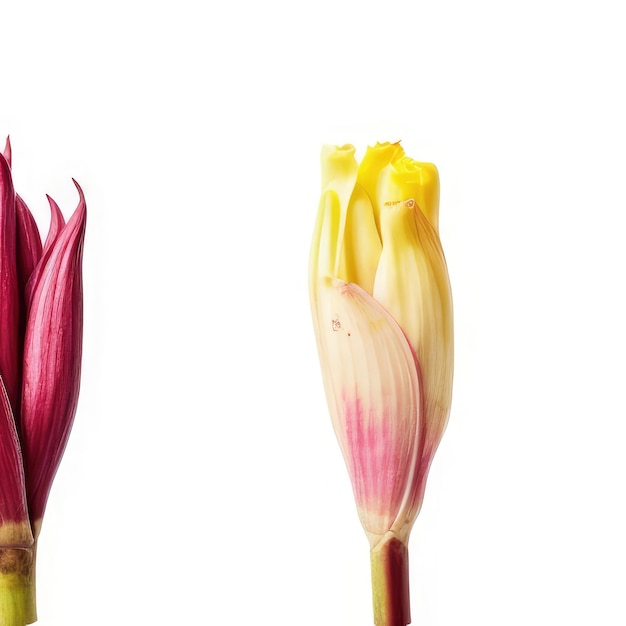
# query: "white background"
202,483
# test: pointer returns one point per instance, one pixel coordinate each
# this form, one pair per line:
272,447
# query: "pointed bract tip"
79,188
52,202
7,153
82,204
57,222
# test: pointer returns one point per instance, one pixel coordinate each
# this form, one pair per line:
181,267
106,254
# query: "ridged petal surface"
412,284
52,358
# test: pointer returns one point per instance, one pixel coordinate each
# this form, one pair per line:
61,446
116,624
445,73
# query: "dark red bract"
41,328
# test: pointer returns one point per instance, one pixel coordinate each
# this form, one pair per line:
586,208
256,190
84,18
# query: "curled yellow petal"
376,159
406,178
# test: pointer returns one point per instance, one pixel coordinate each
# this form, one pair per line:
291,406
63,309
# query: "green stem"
390,582
17,586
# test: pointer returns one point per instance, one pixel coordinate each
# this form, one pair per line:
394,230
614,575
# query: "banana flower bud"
41,324
382,312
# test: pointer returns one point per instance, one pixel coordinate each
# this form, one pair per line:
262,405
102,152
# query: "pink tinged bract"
52,357
373,385
374,395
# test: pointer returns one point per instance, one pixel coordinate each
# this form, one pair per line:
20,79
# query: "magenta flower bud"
41,326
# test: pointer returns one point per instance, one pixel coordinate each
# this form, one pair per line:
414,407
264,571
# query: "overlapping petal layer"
52,357
412,284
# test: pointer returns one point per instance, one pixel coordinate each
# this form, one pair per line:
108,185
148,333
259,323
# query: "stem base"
17,586
390,582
